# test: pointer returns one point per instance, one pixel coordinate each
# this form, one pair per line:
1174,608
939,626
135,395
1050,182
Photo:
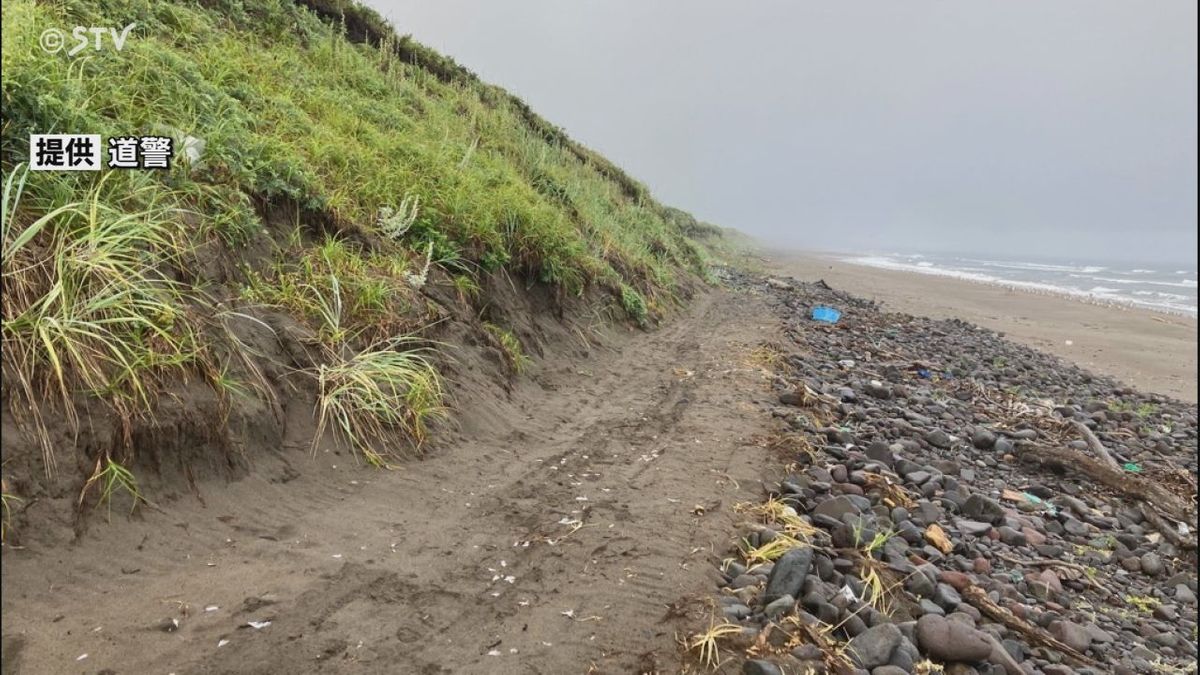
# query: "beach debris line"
986,519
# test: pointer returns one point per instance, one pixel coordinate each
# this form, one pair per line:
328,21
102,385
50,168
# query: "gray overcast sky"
1064,127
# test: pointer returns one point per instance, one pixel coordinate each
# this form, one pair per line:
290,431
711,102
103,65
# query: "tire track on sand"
570,561
556,547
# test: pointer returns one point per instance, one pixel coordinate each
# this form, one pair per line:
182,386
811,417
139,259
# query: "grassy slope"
355,159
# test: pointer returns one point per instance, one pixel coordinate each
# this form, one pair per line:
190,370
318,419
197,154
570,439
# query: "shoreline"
1149,349
1031,287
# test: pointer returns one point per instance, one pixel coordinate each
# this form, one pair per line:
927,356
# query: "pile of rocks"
917,529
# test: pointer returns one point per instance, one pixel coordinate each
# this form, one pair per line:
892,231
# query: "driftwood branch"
1095,444
1130,485
1168,532
1035,635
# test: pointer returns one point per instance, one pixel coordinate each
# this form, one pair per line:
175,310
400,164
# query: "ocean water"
1164,288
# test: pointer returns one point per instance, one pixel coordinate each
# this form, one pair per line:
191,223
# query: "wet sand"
1151,351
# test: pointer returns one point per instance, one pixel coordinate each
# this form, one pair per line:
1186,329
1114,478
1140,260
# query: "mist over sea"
1168,288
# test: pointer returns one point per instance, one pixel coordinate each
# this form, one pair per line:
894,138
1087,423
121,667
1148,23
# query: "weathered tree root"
1130,485
1035,635
1094,443
1170,533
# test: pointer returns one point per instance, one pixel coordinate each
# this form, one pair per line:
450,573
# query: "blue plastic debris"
826,314
924,373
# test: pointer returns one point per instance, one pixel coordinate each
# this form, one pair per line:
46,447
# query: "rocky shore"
955,502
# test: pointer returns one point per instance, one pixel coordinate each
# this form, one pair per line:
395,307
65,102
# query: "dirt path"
554,539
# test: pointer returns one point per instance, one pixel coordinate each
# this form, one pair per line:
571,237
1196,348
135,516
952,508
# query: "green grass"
342,290
514,353
228,387
87,302
466,286
1144,603
1141,411
393,387
342,128
111,478
875,544
634,305
364,164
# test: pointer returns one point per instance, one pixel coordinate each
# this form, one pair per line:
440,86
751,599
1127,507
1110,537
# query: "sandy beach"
1151,351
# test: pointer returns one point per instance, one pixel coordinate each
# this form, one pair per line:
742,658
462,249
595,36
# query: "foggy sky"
1062,128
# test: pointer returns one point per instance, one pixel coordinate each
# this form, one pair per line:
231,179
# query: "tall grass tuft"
634,305
111,478
87,305
514,353
390,387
